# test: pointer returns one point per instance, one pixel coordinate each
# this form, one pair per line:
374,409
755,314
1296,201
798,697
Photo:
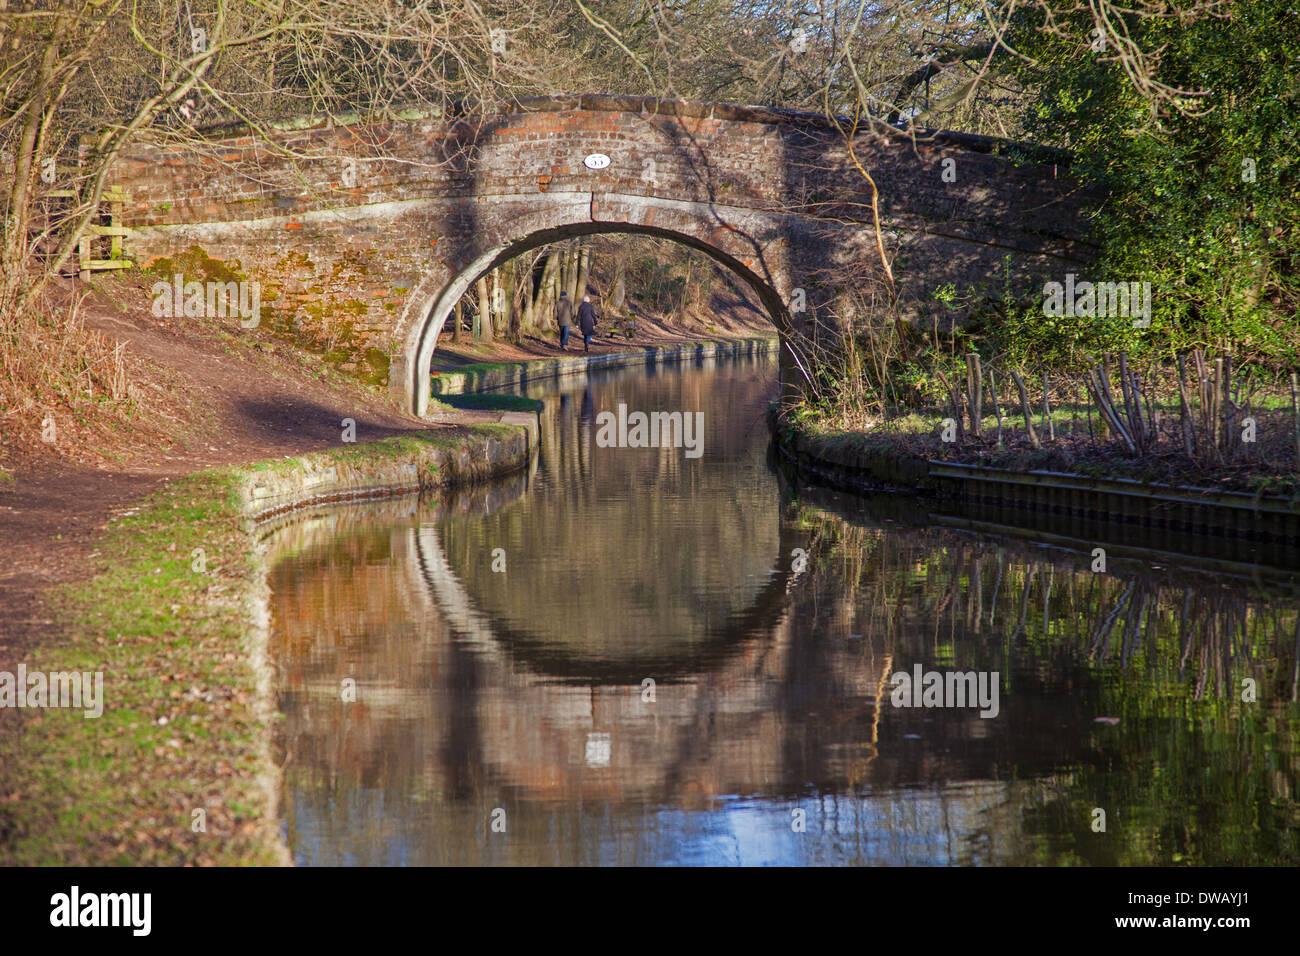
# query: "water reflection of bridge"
548,728
779,700
555,728
460,711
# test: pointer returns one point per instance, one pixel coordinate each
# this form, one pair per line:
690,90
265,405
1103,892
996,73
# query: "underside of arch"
748,244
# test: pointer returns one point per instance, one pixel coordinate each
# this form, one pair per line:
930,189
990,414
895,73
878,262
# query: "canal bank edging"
490,376
395,466
392,467
1184,509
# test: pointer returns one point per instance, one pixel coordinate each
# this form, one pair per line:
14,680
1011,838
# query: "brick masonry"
383,224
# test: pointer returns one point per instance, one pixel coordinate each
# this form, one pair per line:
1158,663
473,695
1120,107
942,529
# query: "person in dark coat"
587,321
564,318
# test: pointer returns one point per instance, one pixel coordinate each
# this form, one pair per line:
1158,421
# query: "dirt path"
215,399
209,396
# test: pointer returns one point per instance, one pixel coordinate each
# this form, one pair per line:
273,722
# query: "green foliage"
1182,211
1191,152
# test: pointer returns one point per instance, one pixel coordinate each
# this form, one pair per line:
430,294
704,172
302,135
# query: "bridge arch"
749,244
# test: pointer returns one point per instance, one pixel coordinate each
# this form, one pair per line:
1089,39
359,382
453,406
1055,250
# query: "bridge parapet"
375,226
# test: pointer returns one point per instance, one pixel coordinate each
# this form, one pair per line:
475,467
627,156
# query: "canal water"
629,655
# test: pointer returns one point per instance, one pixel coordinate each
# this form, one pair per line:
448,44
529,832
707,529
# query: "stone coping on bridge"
489,376
649,105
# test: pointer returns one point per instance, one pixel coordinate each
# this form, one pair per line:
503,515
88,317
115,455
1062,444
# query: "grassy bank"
178,769
891,448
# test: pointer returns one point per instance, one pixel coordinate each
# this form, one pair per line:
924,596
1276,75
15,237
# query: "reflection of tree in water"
1121,691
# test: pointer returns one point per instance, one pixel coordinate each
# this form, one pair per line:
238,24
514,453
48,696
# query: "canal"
630,655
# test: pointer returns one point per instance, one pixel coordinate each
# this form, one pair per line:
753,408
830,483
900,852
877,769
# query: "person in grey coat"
564,318
587,321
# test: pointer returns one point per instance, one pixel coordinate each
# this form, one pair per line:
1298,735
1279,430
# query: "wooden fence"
99,248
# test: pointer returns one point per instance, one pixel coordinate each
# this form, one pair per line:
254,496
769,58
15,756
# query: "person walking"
587,321
564,318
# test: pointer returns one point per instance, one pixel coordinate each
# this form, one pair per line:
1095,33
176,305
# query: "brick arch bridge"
386,221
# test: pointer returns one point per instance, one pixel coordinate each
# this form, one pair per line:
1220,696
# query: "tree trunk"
481,314
1024,408
1229,433
572,274
20,203
562,268
1185,407
584,270
1047,413
513,318
975,393
552,286
528,292
543,309
620,283
1295,415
